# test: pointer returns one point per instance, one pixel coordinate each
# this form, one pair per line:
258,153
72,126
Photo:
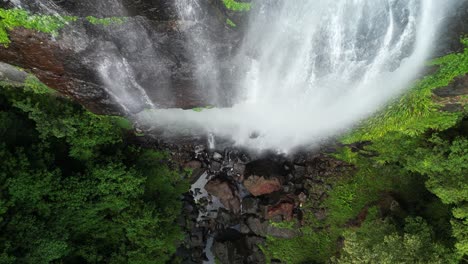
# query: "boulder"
11,74
226,191
459,86
240,249
250,205
258,185
257,226
226,218
284,209
263,177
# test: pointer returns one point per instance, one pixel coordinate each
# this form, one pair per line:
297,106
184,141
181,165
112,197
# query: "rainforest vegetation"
73,189
76,187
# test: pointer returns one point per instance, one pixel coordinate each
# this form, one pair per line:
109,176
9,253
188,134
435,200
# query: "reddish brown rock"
258,185
284,209
58,66
69,63
263,177
226,192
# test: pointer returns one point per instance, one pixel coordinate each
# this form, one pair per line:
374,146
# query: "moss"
106,21
50,24
416,111
284,224
12,18
231,23
312,247
266,253
199,109
237,6
34,85
124,123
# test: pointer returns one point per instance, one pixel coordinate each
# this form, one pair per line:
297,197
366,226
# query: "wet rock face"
58,67
459,86
11,74
160,10
454,26
152,45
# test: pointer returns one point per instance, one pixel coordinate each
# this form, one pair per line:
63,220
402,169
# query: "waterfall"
314,69
305,71
192,19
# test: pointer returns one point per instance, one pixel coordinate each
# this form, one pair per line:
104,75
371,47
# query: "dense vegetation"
406,201
73,190
49,24
11,18
237,5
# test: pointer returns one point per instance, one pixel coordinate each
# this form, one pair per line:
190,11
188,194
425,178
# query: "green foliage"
230,23
124,123
50,24
84,131
199,109
416,111
283,224
106,21
237,6
311,247
379,242
12,18
445,162
73,191
414,136
32,84
439,159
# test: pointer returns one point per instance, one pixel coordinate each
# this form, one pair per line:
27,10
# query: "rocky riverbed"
238,198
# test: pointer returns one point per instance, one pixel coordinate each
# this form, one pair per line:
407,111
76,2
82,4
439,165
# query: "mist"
306,71
314,69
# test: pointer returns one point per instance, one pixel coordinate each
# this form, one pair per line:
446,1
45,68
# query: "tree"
73,190
380,242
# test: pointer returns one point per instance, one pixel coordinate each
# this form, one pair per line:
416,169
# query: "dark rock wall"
454,26
58,67
154,42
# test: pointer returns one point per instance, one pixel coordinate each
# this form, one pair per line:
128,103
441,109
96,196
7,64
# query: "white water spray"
315,68
311,69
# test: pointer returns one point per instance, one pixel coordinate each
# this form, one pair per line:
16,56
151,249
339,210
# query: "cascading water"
314,69
305,71
200,47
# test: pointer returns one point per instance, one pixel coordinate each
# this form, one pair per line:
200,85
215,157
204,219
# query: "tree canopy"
73,190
